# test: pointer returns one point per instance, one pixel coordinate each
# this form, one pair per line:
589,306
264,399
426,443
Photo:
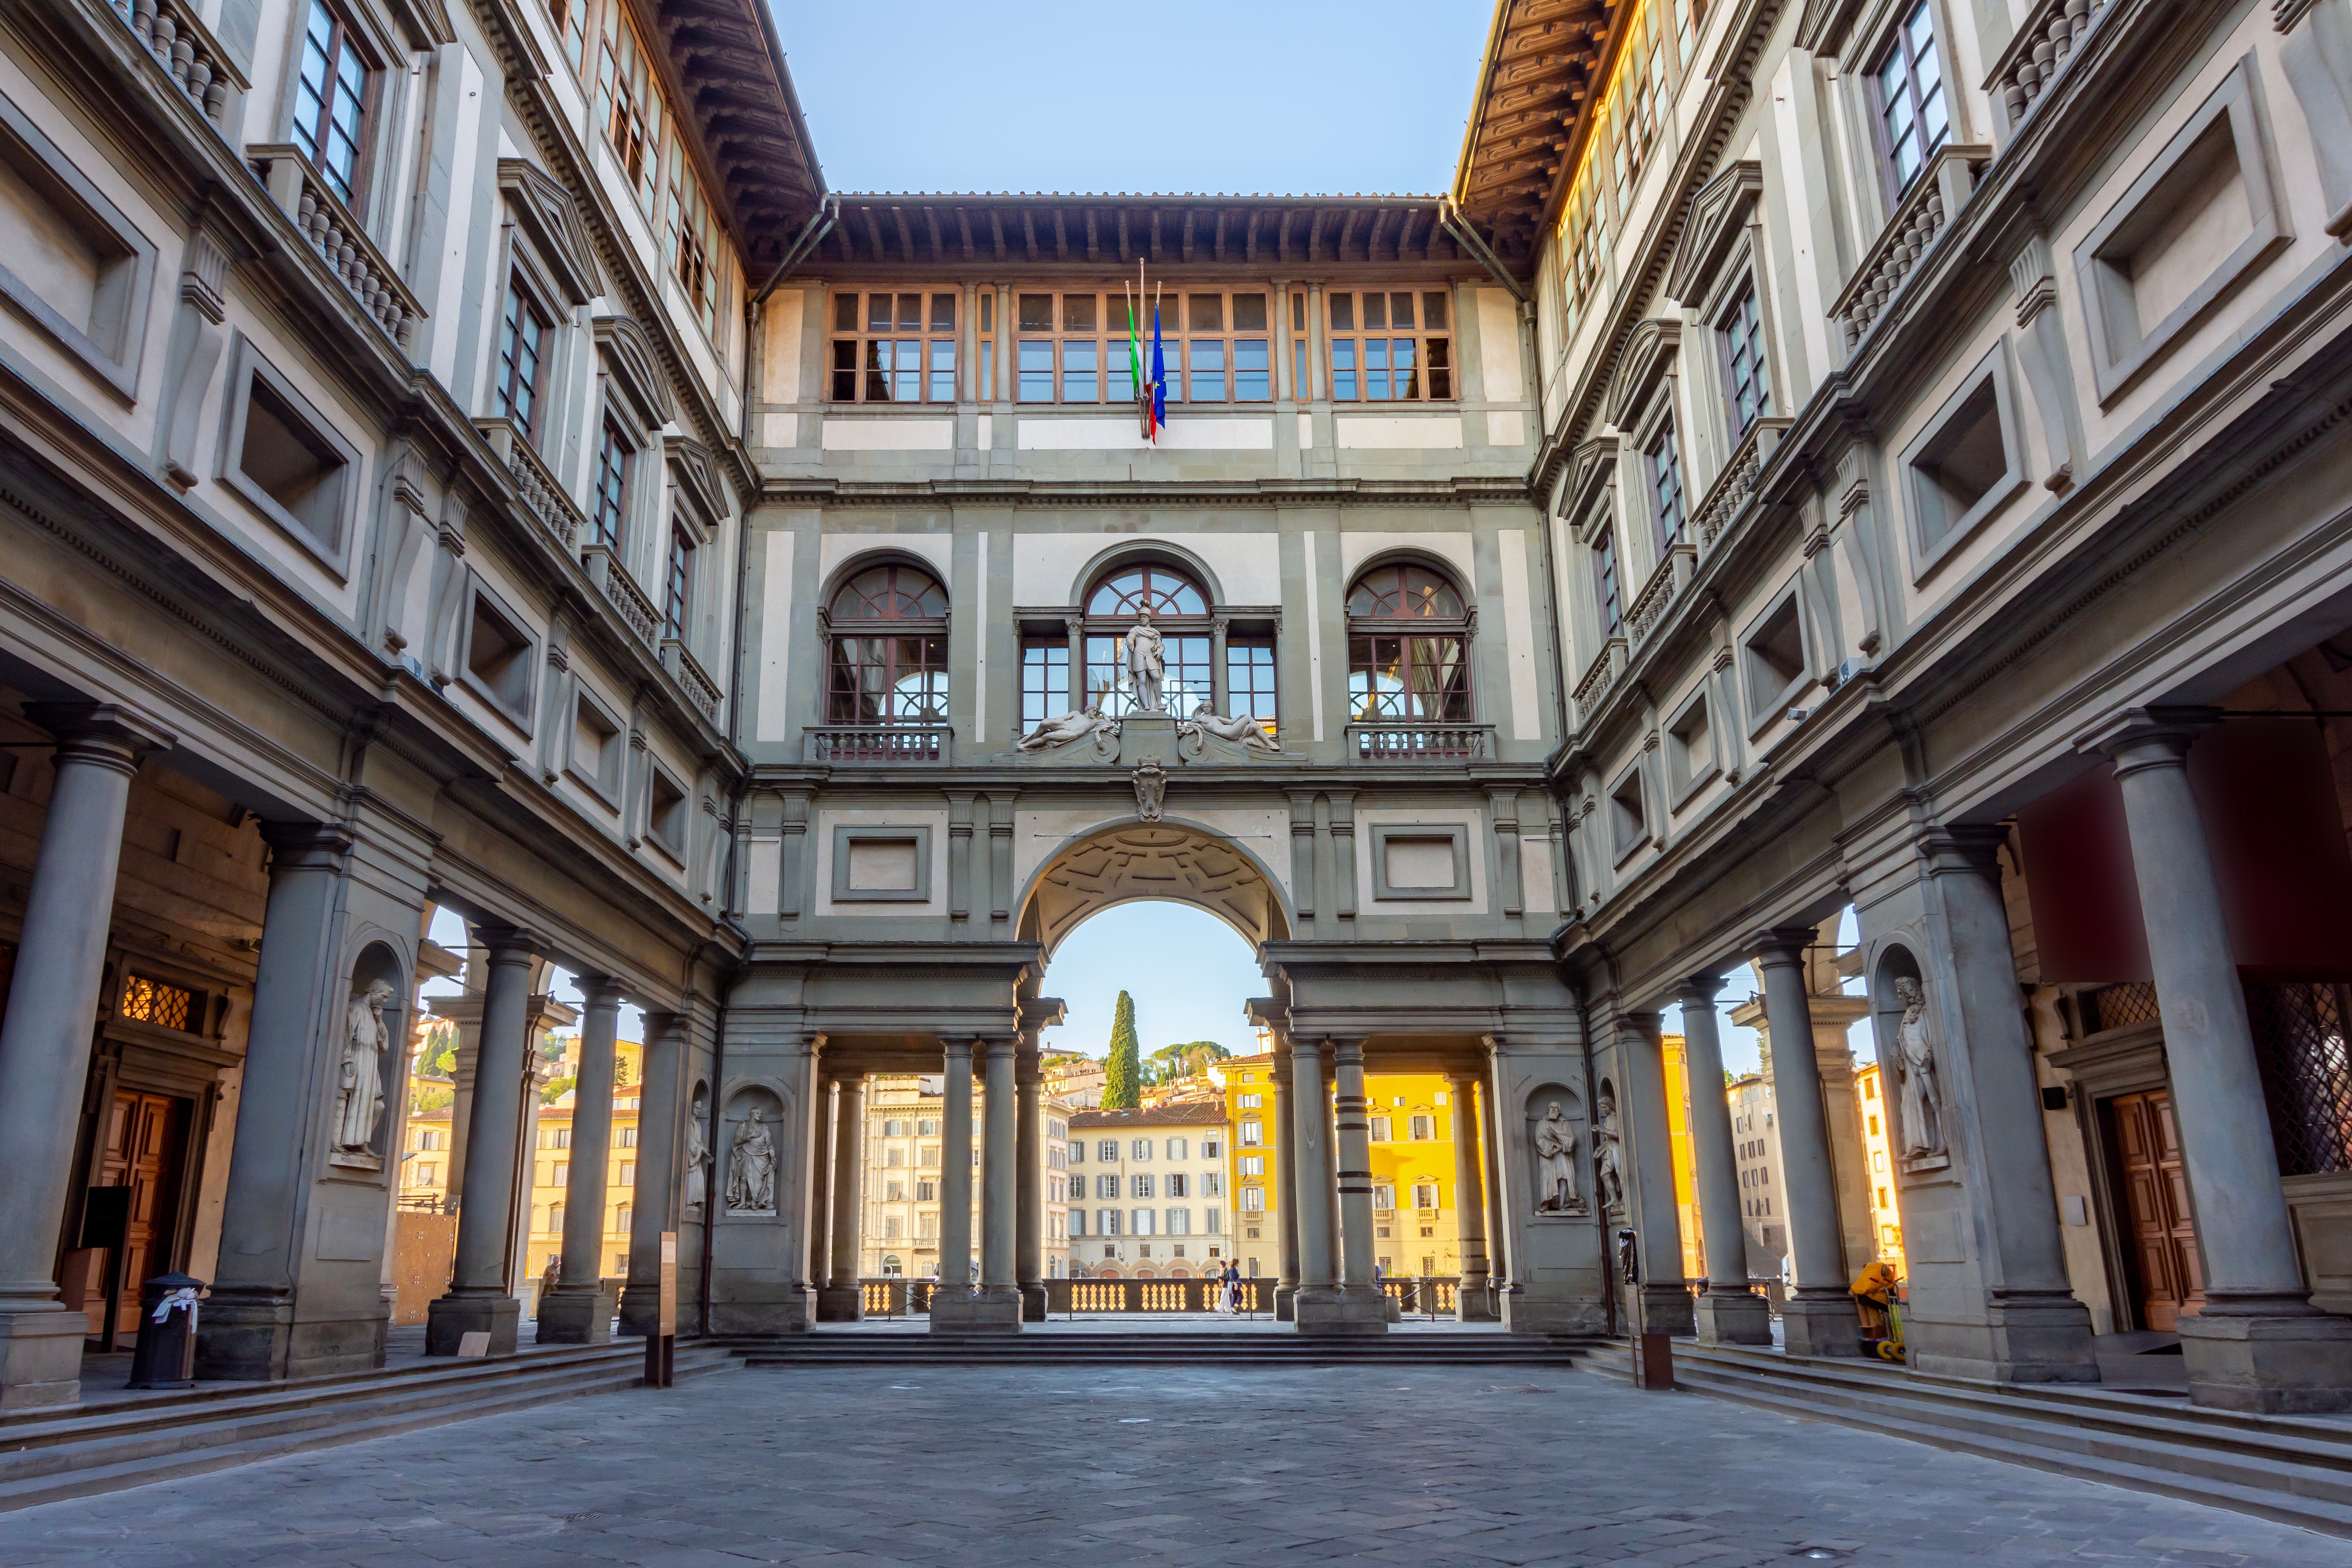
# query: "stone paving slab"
1103,1468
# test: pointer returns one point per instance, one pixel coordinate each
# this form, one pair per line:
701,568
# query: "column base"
1471,1302
1328,1311
1554,1309
840,1303
764,1310
41,1357
1732,1318
2042,1336
448,1318
576,1315
249,1336
2277,1363
1667,1310
1033,1301
994,1309
1286,1303
641,1309
1820,1321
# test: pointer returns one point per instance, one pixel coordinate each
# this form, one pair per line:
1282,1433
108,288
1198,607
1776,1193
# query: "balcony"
185,47
1649,606
1735,486
1600,678
542,493
691,678
2039,51
878,743
1404,742
1918,221
620,591
300,192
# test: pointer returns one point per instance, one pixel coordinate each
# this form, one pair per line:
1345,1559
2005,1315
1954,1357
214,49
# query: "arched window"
1178,608
889,649
1158,589
1408,649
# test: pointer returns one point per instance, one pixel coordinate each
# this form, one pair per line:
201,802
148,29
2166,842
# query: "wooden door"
144,1138
2160,1226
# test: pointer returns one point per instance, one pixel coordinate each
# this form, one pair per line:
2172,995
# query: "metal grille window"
330,100
1390,346
154,1002
1912,116
1604,571
1422,675
522,341
612,488
1667,488
2118,1007
1746,380
2299,1040
894,348
901,676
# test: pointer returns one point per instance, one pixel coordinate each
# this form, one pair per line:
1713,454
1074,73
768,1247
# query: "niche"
369,1056
1556,1152
748,1165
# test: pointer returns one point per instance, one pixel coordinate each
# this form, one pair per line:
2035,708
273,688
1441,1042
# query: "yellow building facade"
1885,1218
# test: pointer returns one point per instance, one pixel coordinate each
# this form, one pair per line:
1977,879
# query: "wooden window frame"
891,629
1434,356
342,43
690,238
631,106
870,381
1259,696
1107,340
1898,47
1739,338
521,301
1410,631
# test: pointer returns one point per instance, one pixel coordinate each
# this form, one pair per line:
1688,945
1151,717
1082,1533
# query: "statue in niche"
698,1161
1147,662
752,1168
1915,1058
358,1081
1243,732
1150,791
1609,1153
1066,729
1556,1164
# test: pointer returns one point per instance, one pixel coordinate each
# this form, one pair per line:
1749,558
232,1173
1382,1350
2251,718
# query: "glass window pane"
906,383
1408,378
1253,371
1079,364
877,369
1298,312
1249,312
1376,369
943,312
1208,369
1036,312
910,313
844,313
1079,312
1376,310
1343,312
1036,372
943,364
1204,313
1343,370
1401,312
1432,312
1119,385
877,312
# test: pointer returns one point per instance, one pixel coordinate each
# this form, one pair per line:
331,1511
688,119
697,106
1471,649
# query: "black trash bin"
165,1356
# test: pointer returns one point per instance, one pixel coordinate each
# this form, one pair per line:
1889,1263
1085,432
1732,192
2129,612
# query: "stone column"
952,1300
1361,1309
1498,1236
823,1111
840,1299
579,1311
1029,1194
1220,687
1819,1317
1665,1302
1728,1313
1075,627
1283,1192
998,1304
479,1297
46,1040
2257,1343
1317,1297
654,1206
1470,1305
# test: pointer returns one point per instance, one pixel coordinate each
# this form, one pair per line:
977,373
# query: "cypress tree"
1122,1081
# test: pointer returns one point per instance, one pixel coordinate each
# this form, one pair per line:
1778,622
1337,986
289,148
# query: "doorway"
146,1140
2159,1225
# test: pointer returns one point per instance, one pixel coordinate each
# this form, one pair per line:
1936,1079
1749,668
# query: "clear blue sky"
1187,970
1214,96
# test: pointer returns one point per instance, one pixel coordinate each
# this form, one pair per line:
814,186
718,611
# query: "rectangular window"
1146,1222
691,238
1185,656
1746,382
927,1192
1379,1128
1254,1200
563,1174
1604,569
1253,1165
1253,1134
1138,1186
1300,388
1075,348
427,1174
1176,1149
1078,1153
1249,686
1044,680
1914,118
1665,460
677,584
898,347
153,1002
522,340
570,20
1105,1222
927,1156
1180,1221
1424,1194
1176,1185
1384,1196
1391,346
1249,1101
1105,1186
1143,1148
1077,1222
1107,1151
555,1216
331,100
1424,1128
629,105
1210,1150
612,488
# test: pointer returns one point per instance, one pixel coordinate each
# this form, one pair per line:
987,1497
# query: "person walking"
1232,1286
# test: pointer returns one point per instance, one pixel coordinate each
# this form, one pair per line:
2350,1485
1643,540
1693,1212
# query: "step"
899,1349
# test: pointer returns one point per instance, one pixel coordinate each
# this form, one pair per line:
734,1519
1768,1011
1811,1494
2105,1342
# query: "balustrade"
700,689
1411,743
535,481
877,742
630,602
1593,688
1649,606
186,47
1918,221
2038,52
295,185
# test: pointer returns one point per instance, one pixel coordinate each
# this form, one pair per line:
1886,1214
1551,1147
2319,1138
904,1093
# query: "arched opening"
1408,654
1178,605
1170,860
887,648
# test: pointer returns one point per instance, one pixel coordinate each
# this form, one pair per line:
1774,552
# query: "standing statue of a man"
1923,1112
1556,1157
698,1161
752,1168
1608,1155
1147,662
359,1083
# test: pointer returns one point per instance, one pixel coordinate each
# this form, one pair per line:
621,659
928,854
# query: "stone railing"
1649,607
338,237
1406,741
620,591
876,743
1598,677
535,481
1918,220
185,47
700,689
1734,487
1425,1295
2038,52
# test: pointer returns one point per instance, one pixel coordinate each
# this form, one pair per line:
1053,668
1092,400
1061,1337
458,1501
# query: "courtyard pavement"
856,1468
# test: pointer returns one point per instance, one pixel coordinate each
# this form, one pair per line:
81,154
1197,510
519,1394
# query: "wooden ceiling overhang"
727,55
949,232
1545,71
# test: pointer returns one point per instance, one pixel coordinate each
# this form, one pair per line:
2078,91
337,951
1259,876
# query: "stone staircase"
2293,1469
915,1347
46,1455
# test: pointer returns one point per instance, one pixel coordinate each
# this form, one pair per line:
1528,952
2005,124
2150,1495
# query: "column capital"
1649,1025
1968,849
107,734
600,990
959,1044
1699,991
308,845
2150,733
510,944
1783,945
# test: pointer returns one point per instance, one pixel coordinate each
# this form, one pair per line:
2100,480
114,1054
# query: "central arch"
1130,862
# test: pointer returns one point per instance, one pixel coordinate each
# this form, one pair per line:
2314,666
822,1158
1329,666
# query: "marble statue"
1066,728
1147,662
752,1168
1556,1160
1243,732
1150,791
698,1161
1609,1154
359,1084
1915,1058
